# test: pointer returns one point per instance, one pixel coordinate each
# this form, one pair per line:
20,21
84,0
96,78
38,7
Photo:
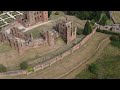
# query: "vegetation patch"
106,66
93,68
4,16
9,20
2,23
2,68
24,65
87,29
5,48
108,32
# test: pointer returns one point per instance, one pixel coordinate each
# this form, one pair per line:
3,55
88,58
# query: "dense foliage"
49,13
84,15
87,29
103,20
91,15
108,32
93,68
114,38
24,65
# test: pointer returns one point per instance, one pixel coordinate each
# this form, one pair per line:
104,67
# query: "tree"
87,28
49,13
103,20
84,15
114,38
93,68
2,68
24,65
93,22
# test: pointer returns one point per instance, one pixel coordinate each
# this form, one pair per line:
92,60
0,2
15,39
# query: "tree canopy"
87,29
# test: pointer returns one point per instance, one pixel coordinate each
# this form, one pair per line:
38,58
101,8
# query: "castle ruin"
30,18
66,30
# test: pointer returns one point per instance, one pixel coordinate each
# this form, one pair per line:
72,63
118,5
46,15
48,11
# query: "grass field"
116,16
5,48
108,64
70,61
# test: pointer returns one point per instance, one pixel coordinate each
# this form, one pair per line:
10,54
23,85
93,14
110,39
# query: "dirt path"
76,70
69,62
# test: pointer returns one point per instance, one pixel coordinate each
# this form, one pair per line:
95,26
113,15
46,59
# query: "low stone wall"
51,61
13,73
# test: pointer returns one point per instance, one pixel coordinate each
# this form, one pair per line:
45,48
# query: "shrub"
30,69
115,43
93,68
2,68
24,65
114,38
57,13
93,22
49,13
108,32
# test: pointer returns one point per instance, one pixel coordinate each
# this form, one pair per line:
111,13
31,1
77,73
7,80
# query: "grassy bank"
108,65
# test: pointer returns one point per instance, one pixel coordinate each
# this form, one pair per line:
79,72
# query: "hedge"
2,68
24,65
108,32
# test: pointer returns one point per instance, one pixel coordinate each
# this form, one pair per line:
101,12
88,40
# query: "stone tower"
66,30
30,18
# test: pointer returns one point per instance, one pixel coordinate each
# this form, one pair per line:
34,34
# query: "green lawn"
108,64
5,48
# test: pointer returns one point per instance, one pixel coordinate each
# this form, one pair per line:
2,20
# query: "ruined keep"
30,18
66,30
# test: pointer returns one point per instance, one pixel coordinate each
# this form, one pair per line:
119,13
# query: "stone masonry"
30,18
66,30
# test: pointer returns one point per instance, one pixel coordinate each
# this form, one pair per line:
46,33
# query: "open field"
108,64
116,16
70,61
